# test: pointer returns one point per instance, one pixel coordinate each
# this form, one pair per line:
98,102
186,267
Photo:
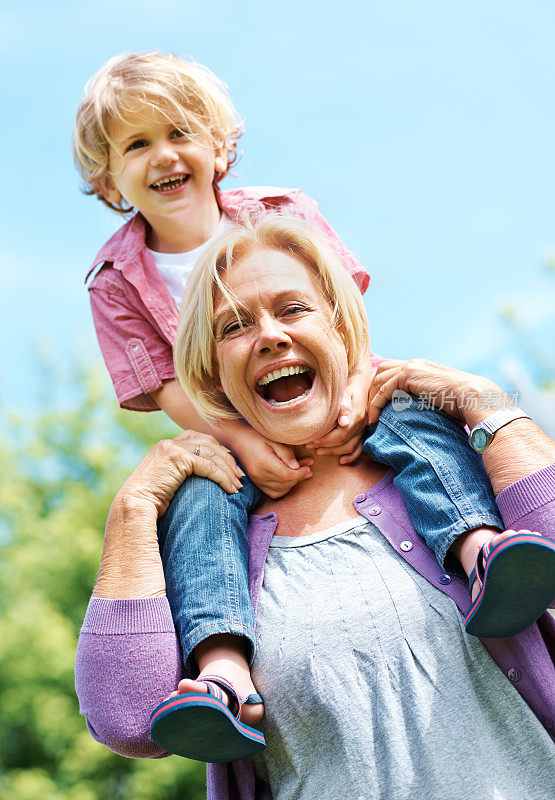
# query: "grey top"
372,688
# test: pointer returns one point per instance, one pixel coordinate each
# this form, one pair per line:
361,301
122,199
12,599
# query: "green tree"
59,472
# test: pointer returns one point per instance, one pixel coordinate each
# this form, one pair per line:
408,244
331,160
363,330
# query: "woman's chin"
294,426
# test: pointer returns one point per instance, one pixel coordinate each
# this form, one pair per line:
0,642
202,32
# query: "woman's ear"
107,189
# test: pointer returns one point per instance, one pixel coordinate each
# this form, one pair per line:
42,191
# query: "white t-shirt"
175,268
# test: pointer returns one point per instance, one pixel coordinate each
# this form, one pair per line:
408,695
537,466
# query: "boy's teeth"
281,373
169,183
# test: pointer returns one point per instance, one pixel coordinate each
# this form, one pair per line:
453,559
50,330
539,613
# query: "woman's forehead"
266,272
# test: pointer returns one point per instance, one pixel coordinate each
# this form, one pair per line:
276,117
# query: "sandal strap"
235,704
252,699
477,574
215,684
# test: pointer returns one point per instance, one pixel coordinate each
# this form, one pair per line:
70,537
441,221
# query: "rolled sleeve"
308,208
138,359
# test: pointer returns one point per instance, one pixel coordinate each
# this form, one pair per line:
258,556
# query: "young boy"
157,133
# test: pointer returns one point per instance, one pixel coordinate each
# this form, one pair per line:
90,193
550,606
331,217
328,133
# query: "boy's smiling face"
164,174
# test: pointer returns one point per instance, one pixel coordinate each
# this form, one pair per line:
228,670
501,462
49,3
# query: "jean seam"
232,588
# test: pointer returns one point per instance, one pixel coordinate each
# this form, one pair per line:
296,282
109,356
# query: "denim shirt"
114,628
134,314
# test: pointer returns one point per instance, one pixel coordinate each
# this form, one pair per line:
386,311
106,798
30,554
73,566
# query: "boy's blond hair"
188,94
194,357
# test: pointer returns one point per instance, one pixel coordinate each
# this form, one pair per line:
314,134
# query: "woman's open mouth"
171,184
285,385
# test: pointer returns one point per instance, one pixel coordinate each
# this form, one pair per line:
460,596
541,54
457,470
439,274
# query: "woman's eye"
137,144
233,327
295,309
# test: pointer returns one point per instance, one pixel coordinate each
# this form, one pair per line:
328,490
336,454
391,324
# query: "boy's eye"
179,133
136,145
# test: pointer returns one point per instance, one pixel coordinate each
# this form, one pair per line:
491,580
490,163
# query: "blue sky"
425,131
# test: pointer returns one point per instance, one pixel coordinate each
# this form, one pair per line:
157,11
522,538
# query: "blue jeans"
205,554
203,539
443,482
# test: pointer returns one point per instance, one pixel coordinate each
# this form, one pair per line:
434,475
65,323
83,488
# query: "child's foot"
212,718
513,583
493,540
240,679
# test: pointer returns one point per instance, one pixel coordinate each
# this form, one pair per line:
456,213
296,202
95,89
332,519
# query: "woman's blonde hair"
189,95
194,346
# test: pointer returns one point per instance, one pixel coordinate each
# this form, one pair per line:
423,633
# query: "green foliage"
59,472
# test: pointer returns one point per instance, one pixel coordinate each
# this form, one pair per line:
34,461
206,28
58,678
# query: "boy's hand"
345,439
271,466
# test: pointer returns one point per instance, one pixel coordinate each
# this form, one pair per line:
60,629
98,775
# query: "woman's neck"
325,499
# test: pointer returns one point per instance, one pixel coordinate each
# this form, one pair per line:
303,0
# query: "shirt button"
547,723
444,579
360,497
374,511
406,546
514,674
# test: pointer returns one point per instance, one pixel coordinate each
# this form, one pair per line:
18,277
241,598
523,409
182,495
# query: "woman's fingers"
171,461
206,445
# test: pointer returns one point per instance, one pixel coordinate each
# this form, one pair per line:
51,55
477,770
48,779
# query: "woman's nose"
272,336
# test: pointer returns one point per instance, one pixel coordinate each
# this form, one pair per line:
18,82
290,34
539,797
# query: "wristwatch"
481,435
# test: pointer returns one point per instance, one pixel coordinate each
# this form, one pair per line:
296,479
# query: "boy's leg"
205,554
451,504
442,479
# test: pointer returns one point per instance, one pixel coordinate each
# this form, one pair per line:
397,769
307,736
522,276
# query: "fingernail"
343,420
294,463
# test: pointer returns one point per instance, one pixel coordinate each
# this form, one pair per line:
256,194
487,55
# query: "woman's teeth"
281,373
165,184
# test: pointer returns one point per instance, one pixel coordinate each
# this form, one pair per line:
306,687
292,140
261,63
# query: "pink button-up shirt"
134,314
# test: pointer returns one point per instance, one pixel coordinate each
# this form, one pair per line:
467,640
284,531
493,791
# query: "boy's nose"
164,155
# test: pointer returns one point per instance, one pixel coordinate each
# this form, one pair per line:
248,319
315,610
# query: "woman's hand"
131,566
465,396
171,461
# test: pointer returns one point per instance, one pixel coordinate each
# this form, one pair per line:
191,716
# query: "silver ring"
197,451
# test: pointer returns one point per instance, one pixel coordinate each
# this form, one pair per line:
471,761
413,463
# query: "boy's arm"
137,357
345,439
270,465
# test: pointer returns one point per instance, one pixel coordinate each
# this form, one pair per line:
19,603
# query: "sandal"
517,584
200,726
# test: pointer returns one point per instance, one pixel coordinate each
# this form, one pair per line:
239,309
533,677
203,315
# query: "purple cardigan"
128,656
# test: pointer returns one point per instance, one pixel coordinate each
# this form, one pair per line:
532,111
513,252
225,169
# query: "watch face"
481,439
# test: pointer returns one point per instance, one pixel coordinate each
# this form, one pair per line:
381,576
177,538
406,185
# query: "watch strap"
496,421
